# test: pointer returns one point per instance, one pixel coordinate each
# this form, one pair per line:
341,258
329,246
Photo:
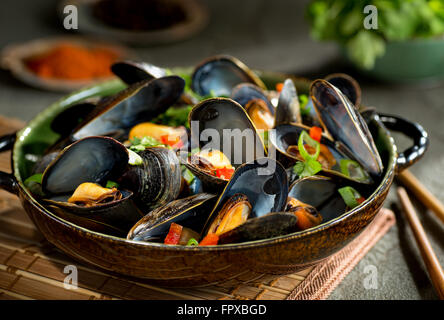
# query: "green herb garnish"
304,105
192,242
34,184
134,158
174,116
304,138
342,21
111,184
140,144
350,196
187,175
310,166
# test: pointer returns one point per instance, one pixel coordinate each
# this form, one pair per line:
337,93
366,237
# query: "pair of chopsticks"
434,269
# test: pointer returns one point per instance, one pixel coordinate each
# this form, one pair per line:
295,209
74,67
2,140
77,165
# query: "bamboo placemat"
32,268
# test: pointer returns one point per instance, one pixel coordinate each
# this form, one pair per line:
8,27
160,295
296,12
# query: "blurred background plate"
140,22
14,58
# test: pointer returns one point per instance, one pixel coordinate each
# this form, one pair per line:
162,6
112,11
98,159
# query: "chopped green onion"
350,196
188,175
174,116
34,184
134,158
353,169
307,168
303,103
137,148
298,168
135,141
34,178
148,141
304,137
111,184
192,242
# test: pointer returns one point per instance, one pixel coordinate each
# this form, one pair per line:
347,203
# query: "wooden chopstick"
428,255
421,192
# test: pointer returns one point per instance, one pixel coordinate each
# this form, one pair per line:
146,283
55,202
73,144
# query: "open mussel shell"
265,227
190,212
138,103
131,72
287,135
44,162
321,193
345,125
156,181
347,85
245,92
288,109
222,124
92,159
66,121
225,120
220,74
114,218
263,182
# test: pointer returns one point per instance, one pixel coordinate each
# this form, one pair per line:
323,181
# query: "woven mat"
32,268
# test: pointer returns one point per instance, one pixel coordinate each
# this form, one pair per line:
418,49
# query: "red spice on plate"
73,62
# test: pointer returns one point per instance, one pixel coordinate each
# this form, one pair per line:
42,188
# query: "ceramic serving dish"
180,266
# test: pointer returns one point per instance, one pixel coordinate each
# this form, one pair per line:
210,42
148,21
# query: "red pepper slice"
316,133
360,200
279,86
225,173
175,143
173,235
210,239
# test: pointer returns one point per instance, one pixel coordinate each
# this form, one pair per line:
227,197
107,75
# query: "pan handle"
7,180
412,130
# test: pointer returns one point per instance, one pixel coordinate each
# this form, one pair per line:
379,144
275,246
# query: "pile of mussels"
292,164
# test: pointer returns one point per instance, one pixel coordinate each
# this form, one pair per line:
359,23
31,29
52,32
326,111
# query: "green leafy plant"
342,21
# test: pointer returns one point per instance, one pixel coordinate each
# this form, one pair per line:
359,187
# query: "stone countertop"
273,35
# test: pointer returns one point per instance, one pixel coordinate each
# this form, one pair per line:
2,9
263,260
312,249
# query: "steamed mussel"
240,162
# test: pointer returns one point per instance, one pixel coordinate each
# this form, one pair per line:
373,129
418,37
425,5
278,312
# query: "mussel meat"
245,92
320,193
114,216
259,113
256,189
234,212
308,216
271,225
